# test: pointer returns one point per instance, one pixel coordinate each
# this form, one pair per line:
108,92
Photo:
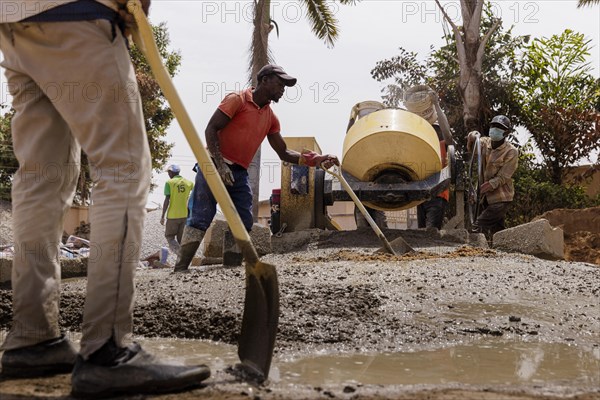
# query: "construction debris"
75,247
536,238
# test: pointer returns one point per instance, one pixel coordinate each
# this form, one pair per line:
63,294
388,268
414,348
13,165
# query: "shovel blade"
399,246
260,319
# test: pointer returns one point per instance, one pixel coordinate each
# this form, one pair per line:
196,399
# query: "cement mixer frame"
392,160
328,191
394,194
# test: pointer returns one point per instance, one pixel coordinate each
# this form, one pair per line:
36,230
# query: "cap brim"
288,80
500,124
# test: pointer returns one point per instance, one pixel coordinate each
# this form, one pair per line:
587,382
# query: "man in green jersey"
177,191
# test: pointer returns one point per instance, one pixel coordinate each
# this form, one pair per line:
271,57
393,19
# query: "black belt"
82,10
232,167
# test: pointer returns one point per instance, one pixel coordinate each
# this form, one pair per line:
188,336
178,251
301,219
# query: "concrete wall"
591,182
342,213
75,216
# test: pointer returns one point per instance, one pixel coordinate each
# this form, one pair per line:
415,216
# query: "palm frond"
583,3
274,23
322,20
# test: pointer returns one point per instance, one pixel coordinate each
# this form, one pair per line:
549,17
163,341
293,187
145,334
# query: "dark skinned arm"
218,121
278,144
164,209
127,18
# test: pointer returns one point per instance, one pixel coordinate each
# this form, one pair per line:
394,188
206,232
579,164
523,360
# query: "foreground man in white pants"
74,87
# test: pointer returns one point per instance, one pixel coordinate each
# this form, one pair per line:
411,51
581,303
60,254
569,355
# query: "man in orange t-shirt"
233,135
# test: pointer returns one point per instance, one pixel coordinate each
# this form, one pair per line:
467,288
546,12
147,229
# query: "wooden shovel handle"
145,41
335,171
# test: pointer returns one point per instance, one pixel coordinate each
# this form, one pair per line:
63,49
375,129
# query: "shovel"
399,242
261,304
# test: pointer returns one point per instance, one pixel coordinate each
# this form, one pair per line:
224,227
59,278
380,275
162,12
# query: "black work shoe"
132,371
55,356
179,269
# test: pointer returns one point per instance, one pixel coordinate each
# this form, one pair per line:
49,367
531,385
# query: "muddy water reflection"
483,363
217,356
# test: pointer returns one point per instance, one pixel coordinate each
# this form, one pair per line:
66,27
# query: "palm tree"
323,24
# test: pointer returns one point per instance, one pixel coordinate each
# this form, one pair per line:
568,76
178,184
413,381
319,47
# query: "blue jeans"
204,205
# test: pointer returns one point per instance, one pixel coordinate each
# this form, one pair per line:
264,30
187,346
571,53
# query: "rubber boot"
232,256
190,241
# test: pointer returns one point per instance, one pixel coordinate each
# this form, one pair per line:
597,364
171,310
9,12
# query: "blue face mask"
496,134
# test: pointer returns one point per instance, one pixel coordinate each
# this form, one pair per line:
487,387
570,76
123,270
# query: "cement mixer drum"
391,146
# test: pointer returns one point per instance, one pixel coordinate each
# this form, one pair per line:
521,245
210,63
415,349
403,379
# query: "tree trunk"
470,84
471,96
470,48
259,58
556,171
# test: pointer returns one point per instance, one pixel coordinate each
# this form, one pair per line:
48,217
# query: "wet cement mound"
5,308
71,311
365,237
352,255
326,314
185,320
164,315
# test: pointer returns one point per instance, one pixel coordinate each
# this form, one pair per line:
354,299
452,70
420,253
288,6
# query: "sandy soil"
340,298
582,232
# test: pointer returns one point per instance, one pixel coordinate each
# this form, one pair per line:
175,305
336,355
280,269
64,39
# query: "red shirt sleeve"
231,104
275,127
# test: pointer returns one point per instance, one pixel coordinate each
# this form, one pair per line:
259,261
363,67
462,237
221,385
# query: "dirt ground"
337,297
582,232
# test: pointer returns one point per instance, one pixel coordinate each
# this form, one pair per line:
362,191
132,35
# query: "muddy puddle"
489,362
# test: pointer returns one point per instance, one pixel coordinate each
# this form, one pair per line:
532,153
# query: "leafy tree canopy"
440,70
158,117
560,98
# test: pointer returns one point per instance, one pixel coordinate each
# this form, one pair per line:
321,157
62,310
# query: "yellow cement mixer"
391,146
391,159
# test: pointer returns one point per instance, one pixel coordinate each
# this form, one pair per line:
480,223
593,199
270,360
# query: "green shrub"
535,193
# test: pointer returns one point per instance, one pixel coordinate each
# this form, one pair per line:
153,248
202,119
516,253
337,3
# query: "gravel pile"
154,234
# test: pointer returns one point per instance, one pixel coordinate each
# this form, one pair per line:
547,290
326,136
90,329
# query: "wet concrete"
432,320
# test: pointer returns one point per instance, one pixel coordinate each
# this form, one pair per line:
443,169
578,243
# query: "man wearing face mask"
500,159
